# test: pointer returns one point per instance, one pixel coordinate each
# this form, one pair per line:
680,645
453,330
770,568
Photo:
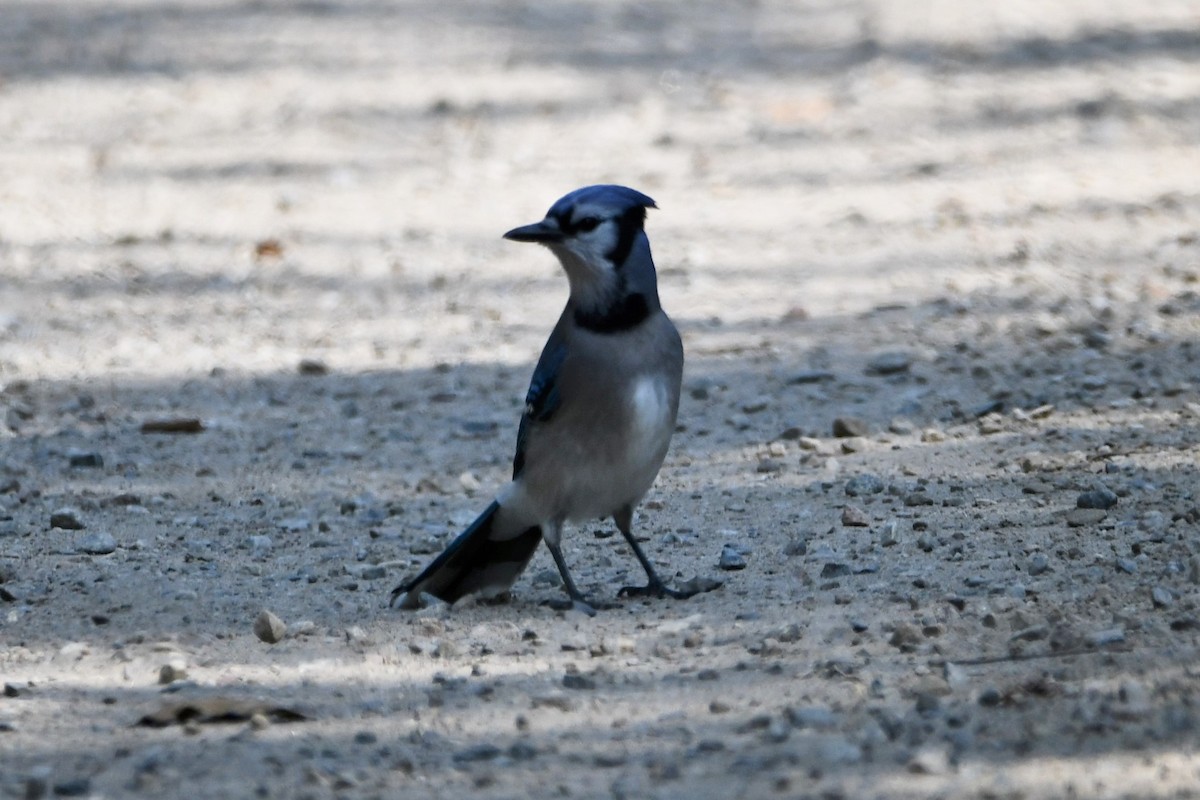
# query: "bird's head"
597,233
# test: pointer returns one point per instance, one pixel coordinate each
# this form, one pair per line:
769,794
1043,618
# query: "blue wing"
542,399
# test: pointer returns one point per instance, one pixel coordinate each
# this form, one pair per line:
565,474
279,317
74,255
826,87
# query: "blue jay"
599,413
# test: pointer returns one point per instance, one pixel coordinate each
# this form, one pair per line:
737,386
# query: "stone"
1083,517
67,519
810,376
889,363
269,628
854,517
845,427
84,459
1038,563
865,484
100,543
1100,497
484,751
1106,636
1162,597
573,680
731,558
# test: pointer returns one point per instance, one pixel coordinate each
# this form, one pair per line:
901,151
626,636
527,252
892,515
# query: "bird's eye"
587,224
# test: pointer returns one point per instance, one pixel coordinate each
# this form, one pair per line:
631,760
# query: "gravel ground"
937,268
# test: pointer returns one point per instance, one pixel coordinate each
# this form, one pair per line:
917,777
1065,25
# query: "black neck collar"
628,312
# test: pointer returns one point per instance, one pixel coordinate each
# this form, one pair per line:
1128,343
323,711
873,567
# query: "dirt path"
971,235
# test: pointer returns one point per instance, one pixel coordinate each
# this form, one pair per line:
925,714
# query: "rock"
1162,597
84,459
756,405
731,558
1082,517
815,717
932,436
1038,563
906,637
1135,700
1126,565
990,424
834,569
918,498
173,670
73,787
889,533
810,376
312,366
294,524
73,651
889,363
100,543
929,761
1100,497
573,680
269,628
845,427
67,519
16,688
864,484
552,700
483,751
1106,636
854,517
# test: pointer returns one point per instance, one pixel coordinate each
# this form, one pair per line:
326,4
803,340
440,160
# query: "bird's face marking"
593,230
590,235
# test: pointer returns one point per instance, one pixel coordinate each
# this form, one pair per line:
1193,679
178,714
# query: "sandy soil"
970,231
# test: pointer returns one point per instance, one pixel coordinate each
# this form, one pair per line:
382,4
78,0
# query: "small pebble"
731,558
100,543
756,405
1082,517
854,517
1127,565
844,427
73,787
174,670
480,752
1162,597
1101,497
578,682
67,519
864,484
269,628
84,459
889,363
1106,636
811,376
1038,563
889,533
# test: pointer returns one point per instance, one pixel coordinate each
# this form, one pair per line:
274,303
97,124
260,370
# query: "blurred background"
192,184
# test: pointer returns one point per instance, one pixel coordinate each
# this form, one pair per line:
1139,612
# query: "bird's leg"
655,586
579,601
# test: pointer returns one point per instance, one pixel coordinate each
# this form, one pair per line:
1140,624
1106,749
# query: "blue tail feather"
473,562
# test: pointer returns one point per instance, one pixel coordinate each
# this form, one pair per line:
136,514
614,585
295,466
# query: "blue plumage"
600,409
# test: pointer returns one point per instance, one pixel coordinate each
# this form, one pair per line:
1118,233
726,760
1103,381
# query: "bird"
599,413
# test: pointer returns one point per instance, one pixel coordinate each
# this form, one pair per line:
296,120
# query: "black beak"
544,232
